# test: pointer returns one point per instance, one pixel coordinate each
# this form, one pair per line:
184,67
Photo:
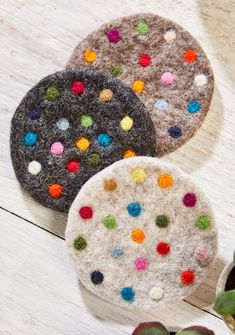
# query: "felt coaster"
71,125
163,64
141,234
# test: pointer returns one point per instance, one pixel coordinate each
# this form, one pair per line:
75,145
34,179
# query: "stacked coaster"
71,125
141,234
163,64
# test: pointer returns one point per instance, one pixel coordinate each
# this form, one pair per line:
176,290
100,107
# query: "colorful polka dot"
89,55
161,105
165,180
83,143
134,209
203,222
57,148
194,107
117,252
110,222
138,175
200,80
93,160
142,28
141,264
114,35
128,153
189,200
34,114
138,86
116,70
86,121
52,93
97,277
86,212
34,168
104,140
110,185
78,87
80,243
163,248
106,95
30,139
63,124
55,190
73,166
144,60
201,253
175,132
167,78
126,123
190,56
162,221
137,235
127,294
187,277
170,36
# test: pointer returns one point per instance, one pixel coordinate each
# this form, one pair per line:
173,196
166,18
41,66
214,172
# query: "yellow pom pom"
89,56
126,123
106,94
138,86
138,175
128,153
83,144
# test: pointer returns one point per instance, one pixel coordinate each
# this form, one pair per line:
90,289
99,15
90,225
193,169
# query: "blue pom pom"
127,293
194,106
63,124
30,139
117,252
104,140
134,209
161,104
175,132
34,114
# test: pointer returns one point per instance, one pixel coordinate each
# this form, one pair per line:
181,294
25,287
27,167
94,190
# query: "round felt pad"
71,125
163,64
141,234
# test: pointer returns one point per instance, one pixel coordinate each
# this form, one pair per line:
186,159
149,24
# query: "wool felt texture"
71,125
143,265
163,64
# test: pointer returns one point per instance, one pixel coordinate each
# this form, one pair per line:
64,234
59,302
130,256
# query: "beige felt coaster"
141,234
163,64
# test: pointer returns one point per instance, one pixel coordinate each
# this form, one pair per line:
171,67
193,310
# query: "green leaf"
151,328
224,303
195,330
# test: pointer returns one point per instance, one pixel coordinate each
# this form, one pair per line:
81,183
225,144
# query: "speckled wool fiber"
141,234
71,125
164,65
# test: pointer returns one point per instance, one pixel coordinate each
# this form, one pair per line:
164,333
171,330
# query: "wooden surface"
39,293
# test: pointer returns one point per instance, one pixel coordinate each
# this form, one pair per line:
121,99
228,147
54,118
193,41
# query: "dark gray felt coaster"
163,64
71,125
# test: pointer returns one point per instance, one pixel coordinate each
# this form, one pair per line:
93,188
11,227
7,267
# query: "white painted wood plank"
40,293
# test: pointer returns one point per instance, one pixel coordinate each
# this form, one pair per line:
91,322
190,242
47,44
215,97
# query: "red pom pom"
86,212
144,60
187,277
163,248
78,87
73,166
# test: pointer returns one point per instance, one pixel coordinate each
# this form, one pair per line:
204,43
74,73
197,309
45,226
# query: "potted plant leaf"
156,328
224,303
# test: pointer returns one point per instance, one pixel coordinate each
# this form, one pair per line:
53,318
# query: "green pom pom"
79,243
86,121
93,160
203,222
117,70
162,221
142,28
52,93
110,222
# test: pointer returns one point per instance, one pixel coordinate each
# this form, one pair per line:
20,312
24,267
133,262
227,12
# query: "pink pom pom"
141,264
167,78
57,148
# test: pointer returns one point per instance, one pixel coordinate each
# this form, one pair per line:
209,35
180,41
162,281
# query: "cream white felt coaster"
141,234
